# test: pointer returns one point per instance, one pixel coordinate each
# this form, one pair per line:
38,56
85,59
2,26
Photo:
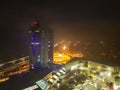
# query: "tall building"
41,45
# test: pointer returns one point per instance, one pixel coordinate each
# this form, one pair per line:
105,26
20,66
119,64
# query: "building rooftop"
24,80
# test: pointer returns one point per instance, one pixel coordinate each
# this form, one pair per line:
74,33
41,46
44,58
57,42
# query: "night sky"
70,20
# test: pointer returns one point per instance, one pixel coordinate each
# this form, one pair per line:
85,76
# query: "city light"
108,74
60,58
99,67
109,69
60,55
35,22
37,30
37,43
64,47
4,79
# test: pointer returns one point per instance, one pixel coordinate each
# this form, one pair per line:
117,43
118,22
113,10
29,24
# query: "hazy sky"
87,19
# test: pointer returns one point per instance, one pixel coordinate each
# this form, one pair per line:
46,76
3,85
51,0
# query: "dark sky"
70,20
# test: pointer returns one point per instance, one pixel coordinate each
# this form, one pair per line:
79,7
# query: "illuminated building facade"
41,46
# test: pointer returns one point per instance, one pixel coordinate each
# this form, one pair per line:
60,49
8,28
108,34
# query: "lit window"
37,31
37,43
48,45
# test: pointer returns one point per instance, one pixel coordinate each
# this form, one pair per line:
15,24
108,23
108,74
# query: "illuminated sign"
35,22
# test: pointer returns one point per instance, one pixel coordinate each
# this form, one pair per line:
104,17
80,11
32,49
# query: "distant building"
41,45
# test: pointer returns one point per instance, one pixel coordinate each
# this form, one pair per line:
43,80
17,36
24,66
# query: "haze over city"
55,45
71,21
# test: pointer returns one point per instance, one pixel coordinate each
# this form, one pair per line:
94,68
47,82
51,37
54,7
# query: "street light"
99,67
60,55
108,74
64,47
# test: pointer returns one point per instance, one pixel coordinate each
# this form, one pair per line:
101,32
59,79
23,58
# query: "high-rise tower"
41,45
